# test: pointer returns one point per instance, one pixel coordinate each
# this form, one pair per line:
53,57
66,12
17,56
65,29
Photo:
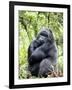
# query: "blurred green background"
29,25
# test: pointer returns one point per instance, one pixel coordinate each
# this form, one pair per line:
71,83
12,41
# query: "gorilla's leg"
45,68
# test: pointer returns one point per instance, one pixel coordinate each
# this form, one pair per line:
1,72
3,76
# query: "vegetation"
29,25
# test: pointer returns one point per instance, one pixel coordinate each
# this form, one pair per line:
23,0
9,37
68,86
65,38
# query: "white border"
46,80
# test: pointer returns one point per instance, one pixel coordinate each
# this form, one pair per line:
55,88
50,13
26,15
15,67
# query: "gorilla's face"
45,35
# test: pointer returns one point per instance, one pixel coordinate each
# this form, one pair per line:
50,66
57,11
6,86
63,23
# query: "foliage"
29,25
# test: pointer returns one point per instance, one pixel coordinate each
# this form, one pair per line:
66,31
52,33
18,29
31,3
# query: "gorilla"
42,54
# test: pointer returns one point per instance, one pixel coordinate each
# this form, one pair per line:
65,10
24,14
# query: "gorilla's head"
45,35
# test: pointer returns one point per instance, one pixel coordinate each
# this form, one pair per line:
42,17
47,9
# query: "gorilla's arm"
35,44
53,54
38,54
31,49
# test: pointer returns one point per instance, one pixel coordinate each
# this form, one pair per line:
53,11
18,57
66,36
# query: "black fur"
42,53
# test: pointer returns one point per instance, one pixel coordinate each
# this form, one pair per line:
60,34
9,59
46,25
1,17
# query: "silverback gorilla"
42,54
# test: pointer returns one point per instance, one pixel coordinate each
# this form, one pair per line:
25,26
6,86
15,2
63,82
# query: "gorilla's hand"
34,45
